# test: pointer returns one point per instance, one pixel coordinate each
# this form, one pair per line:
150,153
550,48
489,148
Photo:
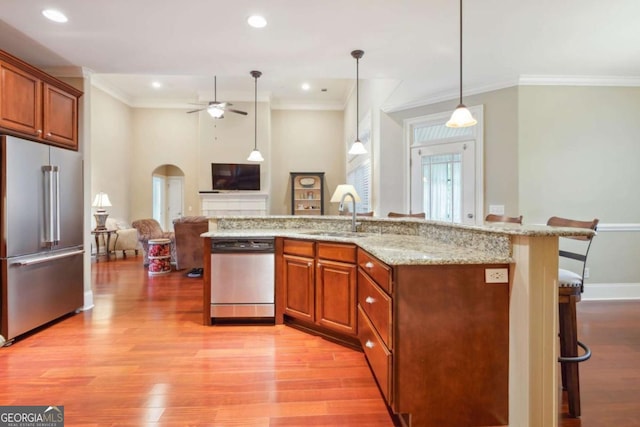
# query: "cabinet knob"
369,344
369,300
48,133
39,131
369,265
309,264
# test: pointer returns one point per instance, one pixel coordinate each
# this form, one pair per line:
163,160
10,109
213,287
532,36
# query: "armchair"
126,237
189,244
148,229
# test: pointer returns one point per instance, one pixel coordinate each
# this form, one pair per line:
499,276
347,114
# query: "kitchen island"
456,325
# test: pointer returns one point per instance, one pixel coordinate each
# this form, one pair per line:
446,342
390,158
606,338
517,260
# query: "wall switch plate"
496,209
496,275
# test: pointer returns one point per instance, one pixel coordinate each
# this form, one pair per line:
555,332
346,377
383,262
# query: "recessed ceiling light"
305,86
156,84
54,15
257,21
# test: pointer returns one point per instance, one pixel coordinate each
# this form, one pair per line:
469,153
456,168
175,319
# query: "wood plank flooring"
141,357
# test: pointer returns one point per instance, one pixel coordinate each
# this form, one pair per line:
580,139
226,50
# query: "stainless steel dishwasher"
242,278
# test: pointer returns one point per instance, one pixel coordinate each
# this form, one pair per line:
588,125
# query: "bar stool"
503,218
570,288
404,215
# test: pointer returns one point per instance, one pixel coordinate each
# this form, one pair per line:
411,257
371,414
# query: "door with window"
446,174
442,179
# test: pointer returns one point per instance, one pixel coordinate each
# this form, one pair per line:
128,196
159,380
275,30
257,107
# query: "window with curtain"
442,175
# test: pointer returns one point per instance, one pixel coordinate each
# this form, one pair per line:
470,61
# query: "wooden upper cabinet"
60,117
37,106
20,100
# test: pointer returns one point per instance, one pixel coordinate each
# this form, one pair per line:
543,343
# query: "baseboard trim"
611,291
88,301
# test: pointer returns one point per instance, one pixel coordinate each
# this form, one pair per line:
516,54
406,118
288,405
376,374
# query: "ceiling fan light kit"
217,109
357,147
255,155
461,117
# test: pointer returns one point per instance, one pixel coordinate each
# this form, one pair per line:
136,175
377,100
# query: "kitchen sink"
348,234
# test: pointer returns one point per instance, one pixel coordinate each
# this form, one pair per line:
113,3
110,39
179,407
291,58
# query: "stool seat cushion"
568,279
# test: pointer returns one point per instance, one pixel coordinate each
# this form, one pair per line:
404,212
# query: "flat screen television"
235,176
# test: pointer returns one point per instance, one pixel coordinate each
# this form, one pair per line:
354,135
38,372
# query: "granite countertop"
392,249
401,241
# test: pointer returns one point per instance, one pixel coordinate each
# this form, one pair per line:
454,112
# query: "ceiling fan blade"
195,111
204,104
244,113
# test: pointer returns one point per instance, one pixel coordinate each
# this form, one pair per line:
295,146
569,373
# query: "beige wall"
163,137
500,143
111,152
306,141
579,150
231,139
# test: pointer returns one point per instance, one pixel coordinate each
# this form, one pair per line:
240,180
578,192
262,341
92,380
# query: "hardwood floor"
141,357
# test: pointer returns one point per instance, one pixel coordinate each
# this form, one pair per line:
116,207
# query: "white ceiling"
185,43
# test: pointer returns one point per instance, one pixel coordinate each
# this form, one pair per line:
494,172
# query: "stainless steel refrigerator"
41,234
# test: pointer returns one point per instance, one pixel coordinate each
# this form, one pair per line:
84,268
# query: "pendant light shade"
357,147
255,155
461,117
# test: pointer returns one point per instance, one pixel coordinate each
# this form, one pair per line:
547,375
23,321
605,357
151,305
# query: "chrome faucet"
353,210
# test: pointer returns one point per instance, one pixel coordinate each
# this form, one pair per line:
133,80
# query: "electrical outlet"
496,275
586,273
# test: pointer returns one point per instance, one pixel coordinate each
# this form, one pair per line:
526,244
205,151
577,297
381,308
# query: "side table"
106,240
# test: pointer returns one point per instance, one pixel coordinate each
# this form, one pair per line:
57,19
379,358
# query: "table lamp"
100,202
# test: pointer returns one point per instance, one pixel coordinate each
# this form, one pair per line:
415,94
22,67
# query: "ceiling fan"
217,109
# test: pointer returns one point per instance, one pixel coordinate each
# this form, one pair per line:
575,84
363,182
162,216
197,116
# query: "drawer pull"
369,265
369,344
309,264
369,300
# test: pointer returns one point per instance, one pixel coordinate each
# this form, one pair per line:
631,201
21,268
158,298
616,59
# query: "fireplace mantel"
249,203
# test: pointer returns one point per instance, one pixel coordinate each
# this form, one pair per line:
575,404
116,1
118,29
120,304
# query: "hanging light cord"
255,114
357,99
460,52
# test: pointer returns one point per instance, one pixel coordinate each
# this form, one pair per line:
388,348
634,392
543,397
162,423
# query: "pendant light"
357,147
461,117
255,155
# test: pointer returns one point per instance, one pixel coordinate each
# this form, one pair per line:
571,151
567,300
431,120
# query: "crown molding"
307,107
105,87
447,96
622,81
70,71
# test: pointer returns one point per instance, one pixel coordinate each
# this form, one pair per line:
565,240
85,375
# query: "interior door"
443,181
175,199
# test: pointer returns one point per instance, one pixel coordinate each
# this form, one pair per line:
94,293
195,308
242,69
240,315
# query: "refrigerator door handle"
51,206
46,258
56,188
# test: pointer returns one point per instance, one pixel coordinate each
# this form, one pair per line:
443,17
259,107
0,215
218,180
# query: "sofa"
148,229
189,244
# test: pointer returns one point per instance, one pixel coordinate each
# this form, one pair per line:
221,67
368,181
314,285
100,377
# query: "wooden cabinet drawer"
337,252
299,247
377,354
379,272
377,306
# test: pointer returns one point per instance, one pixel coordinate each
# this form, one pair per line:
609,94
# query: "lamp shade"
255,156
461,118
101,201
343,189
358,148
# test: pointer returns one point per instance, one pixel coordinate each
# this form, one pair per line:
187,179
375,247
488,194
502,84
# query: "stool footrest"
577,359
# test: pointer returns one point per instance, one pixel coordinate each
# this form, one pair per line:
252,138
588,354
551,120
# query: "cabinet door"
60,110
298,285
336,296
20,107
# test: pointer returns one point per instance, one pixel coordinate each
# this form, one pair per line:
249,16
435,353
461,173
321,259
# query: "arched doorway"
168,194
